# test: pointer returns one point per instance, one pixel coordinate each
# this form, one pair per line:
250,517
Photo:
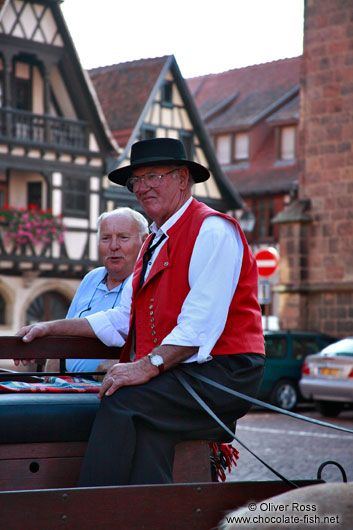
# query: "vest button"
151,306
166,263
151,312
152,300
155,340
152,319
152,326
153,332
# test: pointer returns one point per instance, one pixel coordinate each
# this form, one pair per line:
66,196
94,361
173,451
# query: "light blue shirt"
92,295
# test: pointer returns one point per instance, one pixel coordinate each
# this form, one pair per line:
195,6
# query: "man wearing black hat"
190,309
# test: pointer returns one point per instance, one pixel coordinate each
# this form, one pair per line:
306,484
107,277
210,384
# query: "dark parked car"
327,377
285,352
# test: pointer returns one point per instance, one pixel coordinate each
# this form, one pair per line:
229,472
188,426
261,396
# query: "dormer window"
287,142
224,148
167,93
241,147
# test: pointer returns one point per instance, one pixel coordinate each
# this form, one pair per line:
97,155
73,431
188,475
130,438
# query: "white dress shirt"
213,277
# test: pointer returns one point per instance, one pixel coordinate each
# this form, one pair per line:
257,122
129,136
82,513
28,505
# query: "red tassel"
223,457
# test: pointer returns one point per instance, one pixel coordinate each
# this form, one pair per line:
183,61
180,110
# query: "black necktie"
147,256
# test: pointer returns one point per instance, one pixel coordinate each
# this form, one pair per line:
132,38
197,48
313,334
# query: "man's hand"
104,366
141,371
28,333
126,374
78,327
33,331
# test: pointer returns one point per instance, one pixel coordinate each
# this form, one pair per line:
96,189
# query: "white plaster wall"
18,188
62,94
38,92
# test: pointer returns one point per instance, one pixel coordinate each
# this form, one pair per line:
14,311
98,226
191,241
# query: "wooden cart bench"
43,436
43,439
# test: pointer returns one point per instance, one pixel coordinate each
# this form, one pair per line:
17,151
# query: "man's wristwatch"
157,360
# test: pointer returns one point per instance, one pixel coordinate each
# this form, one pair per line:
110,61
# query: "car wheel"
329,408
284,395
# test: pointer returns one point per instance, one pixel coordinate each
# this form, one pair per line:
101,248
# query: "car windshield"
342,347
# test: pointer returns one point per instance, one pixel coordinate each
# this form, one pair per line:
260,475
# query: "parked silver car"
327,377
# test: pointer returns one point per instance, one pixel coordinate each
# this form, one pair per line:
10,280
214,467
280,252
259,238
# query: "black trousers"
137,428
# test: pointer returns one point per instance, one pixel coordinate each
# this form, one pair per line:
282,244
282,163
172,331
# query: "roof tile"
211,90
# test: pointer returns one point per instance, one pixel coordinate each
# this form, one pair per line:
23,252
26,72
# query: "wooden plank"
57,465
55,348
42,450
39,473
172,507
192,462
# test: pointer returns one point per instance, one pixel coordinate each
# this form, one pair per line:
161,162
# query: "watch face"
156,360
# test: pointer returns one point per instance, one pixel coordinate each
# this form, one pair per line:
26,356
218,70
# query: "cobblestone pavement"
294,448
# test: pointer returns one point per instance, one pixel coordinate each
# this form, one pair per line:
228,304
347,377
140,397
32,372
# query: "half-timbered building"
54,147
149,98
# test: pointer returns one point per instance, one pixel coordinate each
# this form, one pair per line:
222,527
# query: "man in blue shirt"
120,234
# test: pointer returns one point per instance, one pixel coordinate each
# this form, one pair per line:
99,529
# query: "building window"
148,133
287,143
23,94
264,212
167,93
75,197
241,147
34,193
188,142
48,306
223,148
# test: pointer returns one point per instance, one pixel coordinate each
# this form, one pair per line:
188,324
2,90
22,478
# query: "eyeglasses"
152,180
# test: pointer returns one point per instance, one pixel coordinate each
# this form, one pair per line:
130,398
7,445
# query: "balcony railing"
25,127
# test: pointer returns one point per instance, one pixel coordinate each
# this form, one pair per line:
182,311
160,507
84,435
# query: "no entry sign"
267,261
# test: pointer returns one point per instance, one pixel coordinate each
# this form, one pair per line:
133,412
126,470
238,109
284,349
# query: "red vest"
156,306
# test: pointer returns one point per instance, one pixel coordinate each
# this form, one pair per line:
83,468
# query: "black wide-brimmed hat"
158,152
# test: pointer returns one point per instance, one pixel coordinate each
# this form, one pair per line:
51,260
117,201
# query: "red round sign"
267,262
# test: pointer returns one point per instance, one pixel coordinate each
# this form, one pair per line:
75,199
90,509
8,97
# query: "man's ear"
183,177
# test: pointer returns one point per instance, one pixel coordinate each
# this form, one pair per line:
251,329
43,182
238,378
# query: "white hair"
140,220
